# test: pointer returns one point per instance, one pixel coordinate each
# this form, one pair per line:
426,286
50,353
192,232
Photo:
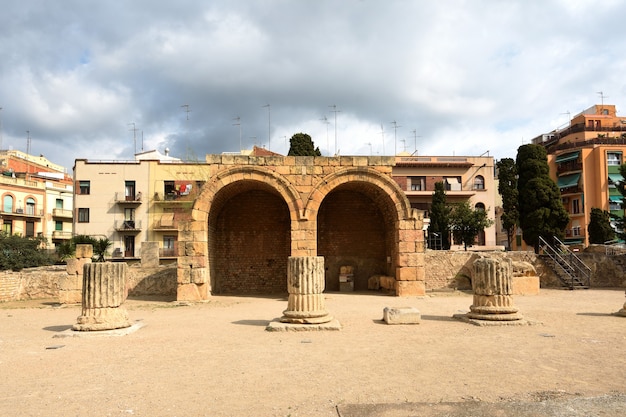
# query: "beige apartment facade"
466,178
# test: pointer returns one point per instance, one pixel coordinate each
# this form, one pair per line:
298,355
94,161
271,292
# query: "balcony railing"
24,212
575,233
122,198
569,166
128,225
168,252
61,234
62,213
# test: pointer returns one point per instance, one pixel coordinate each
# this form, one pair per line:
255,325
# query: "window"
84,186
129,218
453,183
575,206
479,206
30,206
7,227
614,158
59,203
479,182
30,229
169,248
83,215
7,204
614,205
129,190
418,183
169,189
58,226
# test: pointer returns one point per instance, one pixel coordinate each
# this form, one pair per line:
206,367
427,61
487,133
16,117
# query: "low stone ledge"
279,326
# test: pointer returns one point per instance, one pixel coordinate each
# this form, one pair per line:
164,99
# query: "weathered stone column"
622,312
305,283
104,291
492,285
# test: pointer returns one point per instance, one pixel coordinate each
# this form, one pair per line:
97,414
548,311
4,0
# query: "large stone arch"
197,258
375,209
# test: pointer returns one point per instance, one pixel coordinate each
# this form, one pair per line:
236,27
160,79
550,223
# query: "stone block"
388,283
401,315
71,282
373,282
74,266
407,273
525,285
190,292
84,251
149,254
410,288
70,297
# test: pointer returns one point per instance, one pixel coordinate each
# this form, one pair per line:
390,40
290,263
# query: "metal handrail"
569,262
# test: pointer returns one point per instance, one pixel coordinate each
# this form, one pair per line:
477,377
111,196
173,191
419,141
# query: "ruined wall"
252,245
351,229
452,269
43,282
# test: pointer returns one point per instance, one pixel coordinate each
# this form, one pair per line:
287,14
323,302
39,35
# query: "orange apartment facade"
584,160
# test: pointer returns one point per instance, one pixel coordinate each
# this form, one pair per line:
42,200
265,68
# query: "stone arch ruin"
251,217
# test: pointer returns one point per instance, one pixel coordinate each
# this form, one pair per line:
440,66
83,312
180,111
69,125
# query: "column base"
306,317
107,318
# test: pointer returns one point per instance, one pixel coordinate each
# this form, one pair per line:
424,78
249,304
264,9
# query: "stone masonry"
376,211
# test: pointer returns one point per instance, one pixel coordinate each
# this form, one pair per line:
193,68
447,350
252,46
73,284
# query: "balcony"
569,167
28,213
61,235
122,198
66,214
128,225
165,224
173,199
458,191
168,252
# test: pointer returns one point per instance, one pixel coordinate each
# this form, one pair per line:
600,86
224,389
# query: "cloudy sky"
103,79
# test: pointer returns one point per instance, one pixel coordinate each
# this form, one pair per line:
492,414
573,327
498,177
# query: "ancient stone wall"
43,282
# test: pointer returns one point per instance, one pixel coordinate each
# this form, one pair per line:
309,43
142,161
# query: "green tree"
599,227
301,144
17,253
539,200
439,228
507,187
467,223
100,247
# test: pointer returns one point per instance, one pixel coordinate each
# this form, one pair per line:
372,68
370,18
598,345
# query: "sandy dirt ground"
217,359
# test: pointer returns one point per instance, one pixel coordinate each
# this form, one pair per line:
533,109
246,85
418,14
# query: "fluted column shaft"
492,283
305,283
104,292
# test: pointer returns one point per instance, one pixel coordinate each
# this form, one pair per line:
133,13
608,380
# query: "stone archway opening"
356,225
249,240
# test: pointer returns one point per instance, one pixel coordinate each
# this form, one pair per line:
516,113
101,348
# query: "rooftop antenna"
134,129
28,142
382,133
334,110
238,119
326,122
602,97
186,110
269,126
142,141
395,130
414,131
370,144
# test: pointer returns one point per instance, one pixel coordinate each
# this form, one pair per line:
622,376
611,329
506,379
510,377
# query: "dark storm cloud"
457,77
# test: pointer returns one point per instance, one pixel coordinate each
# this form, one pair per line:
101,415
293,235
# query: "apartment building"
466,178
584,159
129,202
36,197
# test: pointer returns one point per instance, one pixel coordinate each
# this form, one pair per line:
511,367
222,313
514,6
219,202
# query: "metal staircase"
571,270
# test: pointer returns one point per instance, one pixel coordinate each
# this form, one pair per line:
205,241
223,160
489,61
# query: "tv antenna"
415,136
186,110
334,110
602,97
395,130
382,133
134,129
370,145
28,142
